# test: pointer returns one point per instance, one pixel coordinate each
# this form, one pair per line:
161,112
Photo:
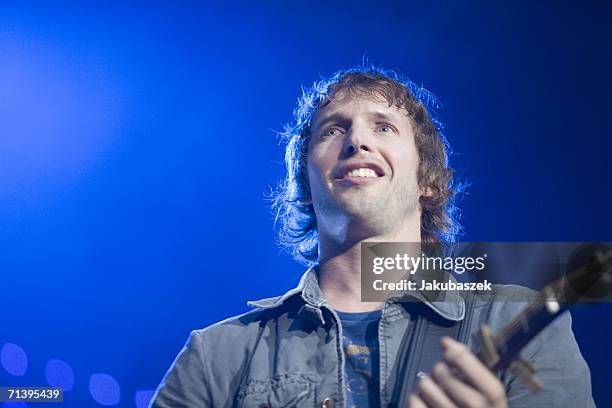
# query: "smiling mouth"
359,169
359,176
362,173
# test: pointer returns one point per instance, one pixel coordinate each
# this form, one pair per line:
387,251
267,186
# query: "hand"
474,386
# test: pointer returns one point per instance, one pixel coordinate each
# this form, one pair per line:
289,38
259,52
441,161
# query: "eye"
332,131
385,128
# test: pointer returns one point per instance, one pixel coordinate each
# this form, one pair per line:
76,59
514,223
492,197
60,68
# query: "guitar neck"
499,350
520,331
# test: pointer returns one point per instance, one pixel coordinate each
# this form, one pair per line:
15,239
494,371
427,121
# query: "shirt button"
326,403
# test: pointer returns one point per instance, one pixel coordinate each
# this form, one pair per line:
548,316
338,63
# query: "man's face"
362,166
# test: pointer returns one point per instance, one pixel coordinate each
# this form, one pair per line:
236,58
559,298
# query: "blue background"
137,143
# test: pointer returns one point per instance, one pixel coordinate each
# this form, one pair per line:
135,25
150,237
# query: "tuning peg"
524,370
488,351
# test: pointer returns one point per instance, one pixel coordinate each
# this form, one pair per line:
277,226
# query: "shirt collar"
451,308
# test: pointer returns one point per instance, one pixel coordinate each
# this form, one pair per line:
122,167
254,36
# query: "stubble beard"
361,213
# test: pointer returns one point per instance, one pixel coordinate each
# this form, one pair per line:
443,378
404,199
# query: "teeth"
362,172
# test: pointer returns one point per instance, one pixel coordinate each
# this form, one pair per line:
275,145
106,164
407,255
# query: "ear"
426,191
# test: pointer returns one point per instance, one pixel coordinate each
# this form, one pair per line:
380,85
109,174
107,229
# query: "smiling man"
365,162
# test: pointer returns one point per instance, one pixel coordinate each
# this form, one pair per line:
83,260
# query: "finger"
432,394
458,355
415,402
458,391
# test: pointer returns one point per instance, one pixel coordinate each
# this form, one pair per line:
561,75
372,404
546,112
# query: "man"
365,162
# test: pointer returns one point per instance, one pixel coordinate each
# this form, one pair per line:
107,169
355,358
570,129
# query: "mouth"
359,173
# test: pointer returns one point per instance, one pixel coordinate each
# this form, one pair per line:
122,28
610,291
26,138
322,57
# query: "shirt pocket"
287,391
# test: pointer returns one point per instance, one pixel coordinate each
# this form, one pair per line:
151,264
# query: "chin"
367,217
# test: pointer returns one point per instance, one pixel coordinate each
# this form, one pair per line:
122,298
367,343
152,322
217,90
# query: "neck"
340,267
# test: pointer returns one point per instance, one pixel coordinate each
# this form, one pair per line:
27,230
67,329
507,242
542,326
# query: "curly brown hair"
291,200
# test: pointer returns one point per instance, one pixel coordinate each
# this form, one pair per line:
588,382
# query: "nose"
356,141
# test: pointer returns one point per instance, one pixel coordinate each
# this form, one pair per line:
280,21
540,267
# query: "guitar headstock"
588,277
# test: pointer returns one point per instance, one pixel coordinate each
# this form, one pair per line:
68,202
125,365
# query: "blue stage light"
14,405
59,374
14,359
104,389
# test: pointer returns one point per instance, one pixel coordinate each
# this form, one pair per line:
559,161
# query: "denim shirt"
287,352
